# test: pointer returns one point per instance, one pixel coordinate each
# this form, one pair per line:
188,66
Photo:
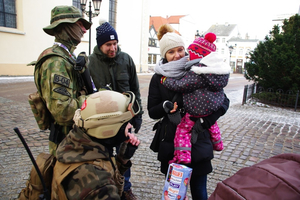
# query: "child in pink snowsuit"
202,87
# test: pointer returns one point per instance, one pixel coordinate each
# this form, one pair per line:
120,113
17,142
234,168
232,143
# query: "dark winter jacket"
118,72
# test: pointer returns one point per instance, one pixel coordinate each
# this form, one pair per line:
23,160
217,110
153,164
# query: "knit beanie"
201,47
105,33
168,39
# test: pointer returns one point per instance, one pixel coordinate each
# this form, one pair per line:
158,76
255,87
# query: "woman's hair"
168,39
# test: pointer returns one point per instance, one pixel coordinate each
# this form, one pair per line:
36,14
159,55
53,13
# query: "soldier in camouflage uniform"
86,166
57,82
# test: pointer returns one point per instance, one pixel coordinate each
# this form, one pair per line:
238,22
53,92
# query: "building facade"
22,38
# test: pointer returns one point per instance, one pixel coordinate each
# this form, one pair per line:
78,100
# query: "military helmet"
65,14
103,113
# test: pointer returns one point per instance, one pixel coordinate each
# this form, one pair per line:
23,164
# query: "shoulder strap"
175,97
47,53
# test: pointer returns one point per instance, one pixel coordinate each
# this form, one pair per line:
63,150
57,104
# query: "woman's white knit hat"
169,41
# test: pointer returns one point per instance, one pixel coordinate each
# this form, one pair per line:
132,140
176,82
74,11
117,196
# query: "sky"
253,16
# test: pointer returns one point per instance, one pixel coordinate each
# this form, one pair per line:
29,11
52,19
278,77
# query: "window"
8,16
223,40
241,52
217,40
152,42
152,58
76,3
112,18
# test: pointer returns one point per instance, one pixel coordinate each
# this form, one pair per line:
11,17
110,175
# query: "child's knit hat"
201,47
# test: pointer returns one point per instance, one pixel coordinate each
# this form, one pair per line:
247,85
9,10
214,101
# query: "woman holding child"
167,105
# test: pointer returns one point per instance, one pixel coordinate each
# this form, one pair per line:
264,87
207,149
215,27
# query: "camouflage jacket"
88,180
57,83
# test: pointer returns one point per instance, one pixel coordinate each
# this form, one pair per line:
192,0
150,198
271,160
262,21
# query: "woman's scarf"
174,69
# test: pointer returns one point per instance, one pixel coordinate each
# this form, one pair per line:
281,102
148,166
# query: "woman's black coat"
201,163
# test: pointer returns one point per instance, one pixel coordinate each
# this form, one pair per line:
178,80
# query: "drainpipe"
113,13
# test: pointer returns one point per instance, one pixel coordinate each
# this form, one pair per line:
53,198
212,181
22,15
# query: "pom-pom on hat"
201,47
168,39
105,33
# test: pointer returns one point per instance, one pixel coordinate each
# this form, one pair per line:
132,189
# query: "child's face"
175,53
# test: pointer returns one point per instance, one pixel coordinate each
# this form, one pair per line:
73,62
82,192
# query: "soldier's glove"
126,151
137,122
175,117
81,62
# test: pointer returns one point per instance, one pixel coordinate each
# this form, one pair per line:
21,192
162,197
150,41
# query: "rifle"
46,195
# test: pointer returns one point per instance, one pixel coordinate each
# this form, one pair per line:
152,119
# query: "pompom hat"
169,41
201,47
105,33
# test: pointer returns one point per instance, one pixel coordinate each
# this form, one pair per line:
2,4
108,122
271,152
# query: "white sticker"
112,37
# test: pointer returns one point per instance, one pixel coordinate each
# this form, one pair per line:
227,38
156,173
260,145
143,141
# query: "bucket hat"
65,14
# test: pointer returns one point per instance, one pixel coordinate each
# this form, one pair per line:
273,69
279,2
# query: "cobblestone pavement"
250,133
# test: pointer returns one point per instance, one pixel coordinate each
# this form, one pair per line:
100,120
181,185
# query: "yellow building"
22,38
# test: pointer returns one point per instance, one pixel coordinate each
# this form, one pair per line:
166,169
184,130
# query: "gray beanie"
168,41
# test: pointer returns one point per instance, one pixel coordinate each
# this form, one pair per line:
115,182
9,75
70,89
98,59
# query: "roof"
236,39
157,21
222,29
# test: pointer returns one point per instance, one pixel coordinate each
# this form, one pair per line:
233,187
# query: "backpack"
53,173
34,187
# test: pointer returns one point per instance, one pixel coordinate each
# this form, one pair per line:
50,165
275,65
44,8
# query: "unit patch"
63,91
61,80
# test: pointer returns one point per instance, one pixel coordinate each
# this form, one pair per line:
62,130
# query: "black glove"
208,121
137,122
168,106
126,151
175,117
197,129
81,62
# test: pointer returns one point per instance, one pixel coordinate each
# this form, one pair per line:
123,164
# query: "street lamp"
197,35
97,4
247,56
230,52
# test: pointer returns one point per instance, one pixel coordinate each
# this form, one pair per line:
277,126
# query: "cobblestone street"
251,133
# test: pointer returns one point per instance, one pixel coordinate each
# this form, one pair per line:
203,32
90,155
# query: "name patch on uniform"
63,91
61,80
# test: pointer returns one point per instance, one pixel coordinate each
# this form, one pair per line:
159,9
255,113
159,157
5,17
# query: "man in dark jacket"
114,69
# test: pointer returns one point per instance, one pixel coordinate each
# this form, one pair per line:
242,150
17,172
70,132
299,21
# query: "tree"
275,62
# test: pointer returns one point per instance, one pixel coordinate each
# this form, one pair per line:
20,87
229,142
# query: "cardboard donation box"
177,181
